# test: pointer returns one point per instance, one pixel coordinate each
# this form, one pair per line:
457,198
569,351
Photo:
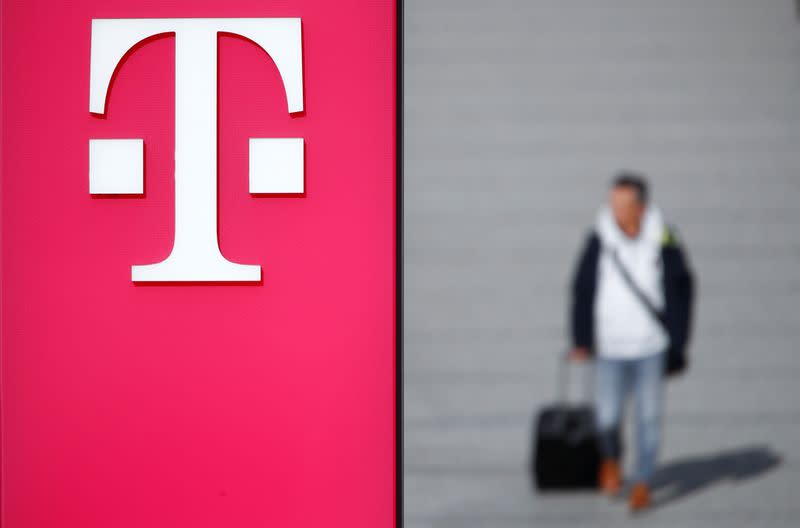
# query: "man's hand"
578,354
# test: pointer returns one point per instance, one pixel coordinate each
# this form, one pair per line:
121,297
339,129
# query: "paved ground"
517,112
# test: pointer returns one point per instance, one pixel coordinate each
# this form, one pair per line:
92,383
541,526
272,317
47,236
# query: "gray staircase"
517,113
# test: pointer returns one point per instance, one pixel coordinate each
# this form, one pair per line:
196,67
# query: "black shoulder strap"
623,271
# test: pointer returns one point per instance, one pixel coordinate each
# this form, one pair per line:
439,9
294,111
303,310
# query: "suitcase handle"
563,379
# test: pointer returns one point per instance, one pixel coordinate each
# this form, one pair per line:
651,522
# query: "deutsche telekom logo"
276,164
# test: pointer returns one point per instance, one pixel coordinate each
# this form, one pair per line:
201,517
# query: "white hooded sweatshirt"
623,326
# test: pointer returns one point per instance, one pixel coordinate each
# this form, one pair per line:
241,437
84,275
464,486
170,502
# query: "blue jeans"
614,381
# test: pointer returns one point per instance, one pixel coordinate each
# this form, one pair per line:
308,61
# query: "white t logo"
276,164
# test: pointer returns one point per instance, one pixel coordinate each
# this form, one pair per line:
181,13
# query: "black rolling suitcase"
564,447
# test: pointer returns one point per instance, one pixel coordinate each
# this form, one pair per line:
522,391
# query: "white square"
276,165
116,166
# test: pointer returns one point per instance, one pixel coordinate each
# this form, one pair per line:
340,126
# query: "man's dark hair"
634,181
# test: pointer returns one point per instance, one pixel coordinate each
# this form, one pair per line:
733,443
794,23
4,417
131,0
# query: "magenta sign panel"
199,265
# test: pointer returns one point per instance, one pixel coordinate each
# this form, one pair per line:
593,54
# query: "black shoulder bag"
649,306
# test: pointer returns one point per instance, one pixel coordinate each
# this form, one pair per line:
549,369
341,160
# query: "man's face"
627,209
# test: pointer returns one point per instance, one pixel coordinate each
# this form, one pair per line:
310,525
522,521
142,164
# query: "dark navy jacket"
678,284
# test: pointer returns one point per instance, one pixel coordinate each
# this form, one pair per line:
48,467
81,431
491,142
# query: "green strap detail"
668,237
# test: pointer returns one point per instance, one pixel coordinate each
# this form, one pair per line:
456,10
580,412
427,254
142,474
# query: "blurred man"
631,306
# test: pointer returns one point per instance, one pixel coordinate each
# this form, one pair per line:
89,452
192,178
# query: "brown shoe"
610,478
639,498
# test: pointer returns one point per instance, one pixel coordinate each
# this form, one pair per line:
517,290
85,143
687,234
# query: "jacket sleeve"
584,283
679,291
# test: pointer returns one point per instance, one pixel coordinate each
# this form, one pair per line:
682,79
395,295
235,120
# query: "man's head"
628,199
